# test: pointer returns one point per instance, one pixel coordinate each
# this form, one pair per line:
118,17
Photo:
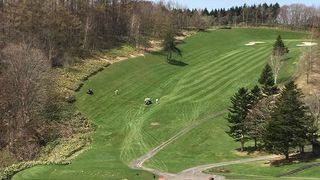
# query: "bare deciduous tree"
313,102
258,117
275,63
24,84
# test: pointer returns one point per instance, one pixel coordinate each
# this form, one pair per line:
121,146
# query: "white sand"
254,43
307,44
154,124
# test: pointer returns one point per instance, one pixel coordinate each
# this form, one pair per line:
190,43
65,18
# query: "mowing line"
204,67
227,83
209,72
195,92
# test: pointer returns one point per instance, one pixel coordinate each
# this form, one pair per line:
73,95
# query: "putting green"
215,65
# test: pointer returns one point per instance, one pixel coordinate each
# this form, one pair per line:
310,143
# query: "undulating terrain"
213,66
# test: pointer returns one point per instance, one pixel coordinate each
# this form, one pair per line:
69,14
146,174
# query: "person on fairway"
116,92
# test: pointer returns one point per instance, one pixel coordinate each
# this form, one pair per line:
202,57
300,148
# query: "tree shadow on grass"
203,30
158,53
294,159
308,158
249,150
177,63
179,41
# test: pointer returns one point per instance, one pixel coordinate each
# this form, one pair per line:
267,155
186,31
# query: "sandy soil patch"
252,43
155,45
185,35
307,44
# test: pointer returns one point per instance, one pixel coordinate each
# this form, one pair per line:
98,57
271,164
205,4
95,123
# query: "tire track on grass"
138,163
194,172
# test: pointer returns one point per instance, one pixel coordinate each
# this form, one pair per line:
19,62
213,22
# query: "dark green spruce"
266,80
279,49
289,126
237,114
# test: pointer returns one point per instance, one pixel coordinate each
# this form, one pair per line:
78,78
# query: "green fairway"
217,64
260,170
312,173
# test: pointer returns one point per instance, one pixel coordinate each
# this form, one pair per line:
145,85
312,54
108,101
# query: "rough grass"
218,63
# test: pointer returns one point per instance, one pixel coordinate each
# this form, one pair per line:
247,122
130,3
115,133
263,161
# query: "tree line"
64,28
245,15
297,16
277,120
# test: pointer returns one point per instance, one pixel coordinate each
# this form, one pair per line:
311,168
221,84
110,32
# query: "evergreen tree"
205,12
289,126
237,114
279,49
255,95
267,80
170,46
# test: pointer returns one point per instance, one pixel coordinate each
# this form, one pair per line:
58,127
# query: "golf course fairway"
215,64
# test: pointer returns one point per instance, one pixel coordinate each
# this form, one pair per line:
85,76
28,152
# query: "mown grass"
312,172
213,84
262,170
217,64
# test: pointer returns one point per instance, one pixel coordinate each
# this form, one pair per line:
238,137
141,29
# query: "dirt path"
197,172
194,173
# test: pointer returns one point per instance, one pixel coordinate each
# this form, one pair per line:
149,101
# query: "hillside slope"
215,64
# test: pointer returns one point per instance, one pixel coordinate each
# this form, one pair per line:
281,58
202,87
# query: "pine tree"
289,126
170,46
205,12
255,94
279,49
267,80
237,114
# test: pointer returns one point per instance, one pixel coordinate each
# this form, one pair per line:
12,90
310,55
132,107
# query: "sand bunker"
254,43
154,124
307,44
